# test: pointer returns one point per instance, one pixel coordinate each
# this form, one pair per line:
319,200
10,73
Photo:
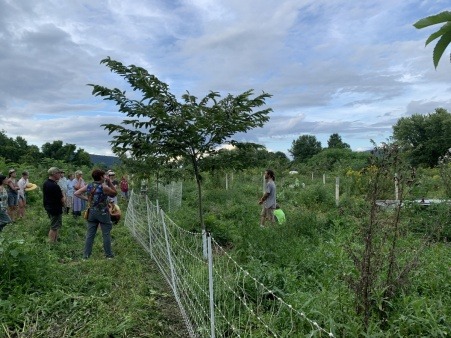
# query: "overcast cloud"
333,66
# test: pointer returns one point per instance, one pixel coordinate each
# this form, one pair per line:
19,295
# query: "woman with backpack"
97,193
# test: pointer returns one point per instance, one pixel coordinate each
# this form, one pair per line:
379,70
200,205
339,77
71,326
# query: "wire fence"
215,295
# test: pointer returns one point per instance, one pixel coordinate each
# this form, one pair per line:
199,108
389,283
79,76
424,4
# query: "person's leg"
106,227
91,230
271,215
12,206
55,224
262,217
22,204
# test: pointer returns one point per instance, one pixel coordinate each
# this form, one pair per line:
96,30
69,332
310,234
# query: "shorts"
268,213
13,199
56,221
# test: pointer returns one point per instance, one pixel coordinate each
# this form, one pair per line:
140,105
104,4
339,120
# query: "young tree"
159,125
305,147
336,142
444,33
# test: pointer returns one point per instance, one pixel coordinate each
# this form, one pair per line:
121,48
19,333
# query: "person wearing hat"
112,177
22,184
13,194
53,202
4,217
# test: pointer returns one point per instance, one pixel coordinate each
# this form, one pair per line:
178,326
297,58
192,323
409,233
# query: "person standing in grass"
97,194
22,184
53,202
4,218
13,194
268,199
79,183
70,193
62,182
124,187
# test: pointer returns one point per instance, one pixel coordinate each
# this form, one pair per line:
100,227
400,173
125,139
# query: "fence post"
324,178
210,285
337,190
149,216
204,244
396,187
312,175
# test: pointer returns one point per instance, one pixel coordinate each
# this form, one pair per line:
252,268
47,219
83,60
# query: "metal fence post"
210,285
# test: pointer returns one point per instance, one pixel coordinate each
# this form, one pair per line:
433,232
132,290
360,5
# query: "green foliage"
18,151
305,147
444,33
444,165
424,138
335,141
337,160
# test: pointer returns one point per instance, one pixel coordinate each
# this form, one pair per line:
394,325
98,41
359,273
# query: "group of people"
75,182
12,196
98,197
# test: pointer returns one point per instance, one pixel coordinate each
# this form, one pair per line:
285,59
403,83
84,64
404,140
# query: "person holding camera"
96,194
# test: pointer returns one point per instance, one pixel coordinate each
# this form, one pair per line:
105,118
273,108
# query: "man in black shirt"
53,202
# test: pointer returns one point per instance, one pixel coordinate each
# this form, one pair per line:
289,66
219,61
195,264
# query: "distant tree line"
422,139
19,151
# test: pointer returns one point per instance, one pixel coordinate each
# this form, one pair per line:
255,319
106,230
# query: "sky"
350,67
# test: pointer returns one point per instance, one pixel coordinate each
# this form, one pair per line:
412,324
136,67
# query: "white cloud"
332,66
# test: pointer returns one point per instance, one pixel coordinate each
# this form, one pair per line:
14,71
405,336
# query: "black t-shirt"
52,197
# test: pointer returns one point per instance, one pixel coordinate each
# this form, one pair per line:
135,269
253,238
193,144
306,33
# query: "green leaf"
433,20
443,30
440,47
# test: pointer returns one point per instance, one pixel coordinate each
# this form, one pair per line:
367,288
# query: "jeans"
95,218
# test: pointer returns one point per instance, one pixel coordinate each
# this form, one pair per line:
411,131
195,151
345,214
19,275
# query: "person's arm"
12,185
264,197
77,184
80,193
108,188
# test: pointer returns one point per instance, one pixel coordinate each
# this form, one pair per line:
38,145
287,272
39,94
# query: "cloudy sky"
350,67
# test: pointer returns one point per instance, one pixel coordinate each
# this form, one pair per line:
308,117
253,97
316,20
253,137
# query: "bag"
86,212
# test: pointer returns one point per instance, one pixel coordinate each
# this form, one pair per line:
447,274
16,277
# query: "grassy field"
49,291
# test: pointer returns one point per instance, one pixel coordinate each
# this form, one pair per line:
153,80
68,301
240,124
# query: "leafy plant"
444,33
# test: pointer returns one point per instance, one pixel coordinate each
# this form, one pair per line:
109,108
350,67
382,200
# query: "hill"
108,161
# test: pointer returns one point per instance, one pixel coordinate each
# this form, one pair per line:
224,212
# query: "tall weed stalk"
383,262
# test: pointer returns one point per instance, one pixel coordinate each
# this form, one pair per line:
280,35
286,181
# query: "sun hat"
11,171
111,173
30,186
53,171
